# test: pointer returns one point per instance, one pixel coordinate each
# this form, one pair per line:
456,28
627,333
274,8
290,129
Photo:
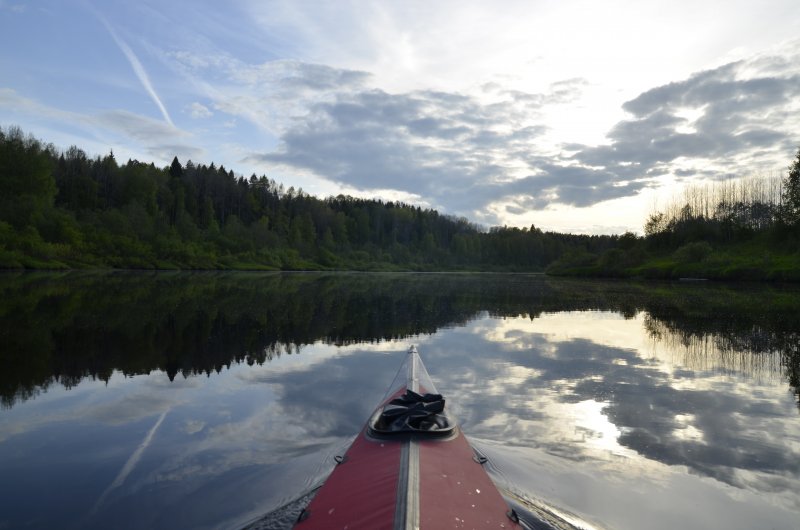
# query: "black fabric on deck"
413,412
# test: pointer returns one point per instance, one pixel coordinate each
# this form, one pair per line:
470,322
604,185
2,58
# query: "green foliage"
655,224
612,259
792,192
572,262
27,187
693,252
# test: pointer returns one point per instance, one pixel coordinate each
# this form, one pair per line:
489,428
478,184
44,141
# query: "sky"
573,115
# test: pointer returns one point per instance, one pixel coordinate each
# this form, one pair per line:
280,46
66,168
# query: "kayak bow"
410,468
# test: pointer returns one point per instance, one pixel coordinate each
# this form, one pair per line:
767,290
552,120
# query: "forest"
64,209
67,210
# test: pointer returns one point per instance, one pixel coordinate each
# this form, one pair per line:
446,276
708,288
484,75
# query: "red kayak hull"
408,483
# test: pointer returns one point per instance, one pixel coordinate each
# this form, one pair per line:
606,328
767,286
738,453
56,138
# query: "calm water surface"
213,400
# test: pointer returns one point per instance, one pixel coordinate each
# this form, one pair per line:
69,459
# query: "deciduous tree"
791,192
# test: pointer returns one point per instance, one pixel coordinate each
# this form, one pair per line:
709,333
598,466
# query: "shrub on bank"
693,252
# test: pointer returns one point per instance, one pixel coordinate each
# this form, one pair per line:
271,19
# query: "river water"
216,400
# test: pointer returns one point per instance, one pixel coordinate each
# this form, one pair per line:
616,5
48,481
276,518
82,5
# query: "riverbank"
751,262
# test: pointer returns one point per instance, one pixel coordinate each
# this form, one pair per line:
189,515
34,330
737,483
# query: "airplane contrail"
130,464
138,69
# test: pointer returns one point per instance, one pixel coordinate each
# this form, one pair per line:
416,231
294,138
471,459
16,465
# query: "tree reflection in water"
67,327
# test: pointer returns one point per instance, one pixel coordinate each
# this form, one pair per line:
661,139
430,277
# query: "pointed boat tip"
413,349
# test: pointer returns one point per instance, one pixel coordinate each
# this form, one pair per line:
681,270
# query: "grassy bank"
752,261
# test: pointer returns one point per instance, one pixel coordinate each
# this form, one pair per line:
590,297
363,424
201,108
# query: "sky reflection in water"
611,417
625,432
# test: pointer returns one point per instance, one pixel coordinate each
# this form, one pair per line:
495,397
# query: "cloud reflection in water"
588,399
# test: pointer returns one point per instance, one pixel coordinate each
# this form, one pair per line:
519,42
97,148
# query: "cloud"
572,185
193,426
270,95
136,126
744,110
465,151
12,101
158,139
199,111
449,148
568,90
321,77
14,8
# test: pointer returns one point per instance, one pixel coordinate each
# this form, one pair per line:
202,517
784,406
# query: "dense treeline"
734,229
65,209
